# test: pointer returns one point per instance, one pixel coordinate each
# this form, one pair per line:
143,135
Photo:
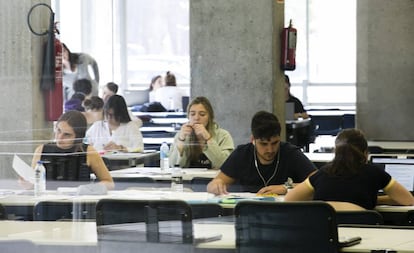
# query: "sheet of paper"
24,170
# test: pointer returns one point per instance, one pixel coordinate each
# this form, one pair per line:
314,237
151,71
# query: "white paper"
24,170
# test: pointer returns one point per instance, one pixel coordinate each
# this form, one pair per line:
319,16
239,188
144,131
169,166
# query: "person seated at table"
170,96
201,142
265,164
109,90
156,83
300,111
93,109
350,178
83,90
118,132
69,133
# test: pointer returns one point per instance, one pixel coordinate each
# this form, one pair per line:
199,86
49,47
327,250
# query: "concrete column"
22,117
235,52
385,64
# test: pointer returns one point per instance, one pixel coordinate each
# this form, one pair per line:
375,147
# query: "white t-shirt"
170,97
127,135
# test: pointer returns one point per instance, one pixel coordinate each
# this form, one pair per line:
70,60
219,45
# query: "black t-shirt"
361,189
240,165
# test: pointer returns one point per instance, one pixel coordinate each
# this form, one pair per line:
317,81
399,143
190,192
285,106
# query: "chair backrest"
56,210
149,212
348,121
199,184
410,217
3,213
367,217
285,227
206,210
122,183
327,125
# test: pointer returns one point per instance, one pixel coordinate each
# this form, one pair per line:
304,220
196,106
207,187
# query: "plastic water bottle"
164,152
177,179
40,179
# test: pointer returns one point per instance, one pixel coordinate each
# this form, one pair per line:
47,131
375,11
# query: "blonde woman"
201,142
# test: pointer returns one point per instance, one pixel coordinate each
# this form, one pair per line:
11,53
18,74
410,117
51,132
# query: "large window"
134,40
326,51
131,40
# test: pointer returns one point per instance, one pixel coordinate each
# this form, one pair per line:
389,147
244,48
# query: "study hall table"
19,204
120,160
82,237
162,175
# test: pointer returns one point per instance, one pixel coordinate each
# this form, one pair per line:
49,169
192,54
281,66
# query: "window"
326,51
131,40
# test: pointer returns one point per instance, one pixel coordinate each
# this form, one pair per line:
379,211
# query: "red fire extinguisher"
288,61
51,82
53,97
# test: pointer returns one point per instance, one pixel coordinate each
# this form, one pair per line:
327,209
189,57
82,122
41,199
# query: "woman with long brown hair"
201,142
350,178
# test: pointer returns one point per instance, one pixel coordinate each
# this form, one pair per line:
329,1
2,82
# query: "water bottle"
164,152
177,179
40,179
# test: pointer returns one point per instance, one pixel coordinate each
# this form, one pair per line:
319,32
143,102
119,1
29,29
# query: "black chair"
175,216
285,227
327,125
206,210
61,211
410,218
199,184
375,150
3,213
366,217
348,121
122,183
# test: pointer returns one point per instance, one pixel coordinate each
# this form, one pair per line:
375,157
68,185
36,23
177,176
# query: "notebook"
289,111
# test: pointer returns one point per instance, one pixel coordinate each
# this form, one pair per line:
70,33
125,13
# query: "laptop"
289,111
401,169
136,97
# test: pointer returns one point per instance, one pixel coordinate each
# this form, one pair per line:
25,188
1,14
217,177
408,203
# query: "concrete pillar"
385,64
22,117
235,52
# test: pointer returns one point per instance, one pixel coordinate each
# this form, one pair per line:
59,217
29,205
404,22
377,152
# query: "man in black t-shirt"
265,164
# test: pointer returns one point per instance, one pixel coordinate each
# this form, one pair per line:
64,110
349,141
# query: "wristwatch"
288,184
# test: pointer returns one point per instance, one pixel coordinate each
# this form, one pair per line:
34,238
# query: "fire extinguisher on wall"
51,82
288,61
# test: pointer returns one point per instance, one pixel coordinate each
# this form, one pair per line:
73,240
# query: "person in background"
170,95
266,165
300,111
77,66
110,89
118,132
349,178
93,109
201,142
156,83
83,90
69,133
